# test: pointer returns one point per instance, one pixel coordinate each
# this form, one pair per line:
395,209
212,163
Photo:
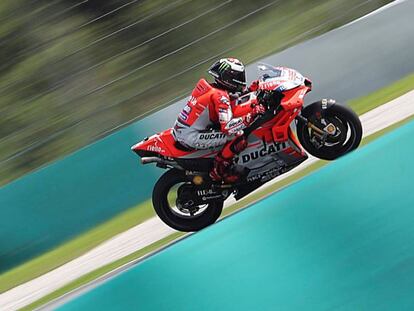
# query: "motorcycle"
187,199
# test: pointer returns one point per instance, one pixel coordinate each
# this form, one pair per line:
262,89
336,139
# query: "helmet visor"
238,79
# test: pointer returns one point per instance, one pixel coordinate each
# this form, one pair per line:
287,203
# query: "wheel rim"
343,137
182,209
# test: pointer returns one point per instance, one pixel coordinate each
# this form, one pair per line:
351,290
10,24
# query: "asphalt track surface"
357,59
353,60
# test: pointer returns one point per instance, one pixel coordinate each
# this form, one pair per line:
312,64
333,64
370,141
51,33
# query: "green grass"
390,128
140,213
382,96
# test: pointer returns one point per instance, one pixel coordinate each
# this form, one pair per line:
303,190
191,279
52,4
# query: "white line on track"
387,6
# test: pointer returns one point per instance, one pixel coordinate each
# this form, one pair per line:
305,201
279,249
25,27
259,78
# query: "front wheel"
332,130
178,212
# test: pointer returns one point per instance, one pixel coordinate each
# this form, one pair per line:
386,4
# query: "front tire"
348,129
168,215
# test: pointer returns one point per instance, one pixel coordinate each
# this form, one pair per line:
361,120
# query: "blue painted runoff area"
70,196
339,239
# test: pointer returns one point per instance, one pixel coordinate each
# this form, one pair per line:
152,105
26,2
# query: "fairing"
262,156
279,78
272,148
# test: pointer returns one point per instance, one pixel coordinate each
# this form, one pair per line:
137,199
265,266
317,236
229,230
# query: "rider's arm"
244,108
233,121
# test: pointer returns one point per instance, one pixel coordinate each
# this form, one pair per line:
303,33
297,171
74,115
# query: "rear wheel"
177,212
337,130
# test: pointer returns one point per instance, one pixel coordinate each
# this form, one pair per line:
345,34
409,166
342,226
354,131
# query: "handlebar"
271,100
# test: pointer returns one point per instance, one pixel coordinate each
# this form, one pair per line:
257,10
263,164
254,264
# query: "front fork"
320,135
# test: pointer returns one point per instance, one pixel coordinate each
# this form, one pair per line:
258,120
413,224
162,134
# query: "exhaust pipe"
160,162
146,160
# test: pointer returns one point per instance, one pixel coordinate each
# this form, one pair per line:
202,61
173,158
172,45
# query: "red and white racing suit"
210,119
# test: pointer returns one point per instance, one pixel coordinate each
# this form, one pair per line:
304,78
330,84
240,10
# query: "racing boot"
223,163
222,170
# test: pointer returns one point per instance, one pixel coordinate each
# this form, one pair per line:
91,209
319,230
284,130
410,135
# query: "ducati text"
254,155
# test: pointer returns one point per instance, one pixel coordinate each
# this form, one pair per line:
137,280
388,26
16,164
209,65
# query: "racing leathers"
210,119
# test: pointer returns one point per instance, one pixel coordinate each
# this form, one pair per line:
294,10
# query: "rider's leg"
224,160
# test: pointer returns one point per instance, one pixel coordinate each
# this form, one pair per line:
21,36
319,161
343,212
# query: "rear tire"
181,222
346,120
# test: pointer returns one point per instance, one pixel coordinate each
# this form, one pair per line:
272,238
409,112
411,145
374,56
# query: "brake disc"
184,202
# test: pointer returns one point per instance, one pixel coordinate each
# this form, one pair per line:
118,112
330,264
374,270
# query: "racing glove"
254,86
258,109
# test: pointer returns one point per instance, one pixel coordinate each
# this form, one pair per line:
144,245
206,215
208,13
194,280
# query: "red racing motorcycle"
186,198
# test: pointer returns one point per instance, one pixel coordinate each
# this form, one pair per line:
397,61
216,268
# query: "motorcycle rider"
211,118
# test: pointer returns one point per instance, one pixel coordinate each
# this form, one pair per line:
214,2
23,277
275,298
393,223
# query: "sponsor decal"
324,103
272,173
265,151
183,116
205,192
155,148
273,84
211,197
208,194
192,101
224,114
223,66
234,123
212,136
224,100
236,62
187,109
